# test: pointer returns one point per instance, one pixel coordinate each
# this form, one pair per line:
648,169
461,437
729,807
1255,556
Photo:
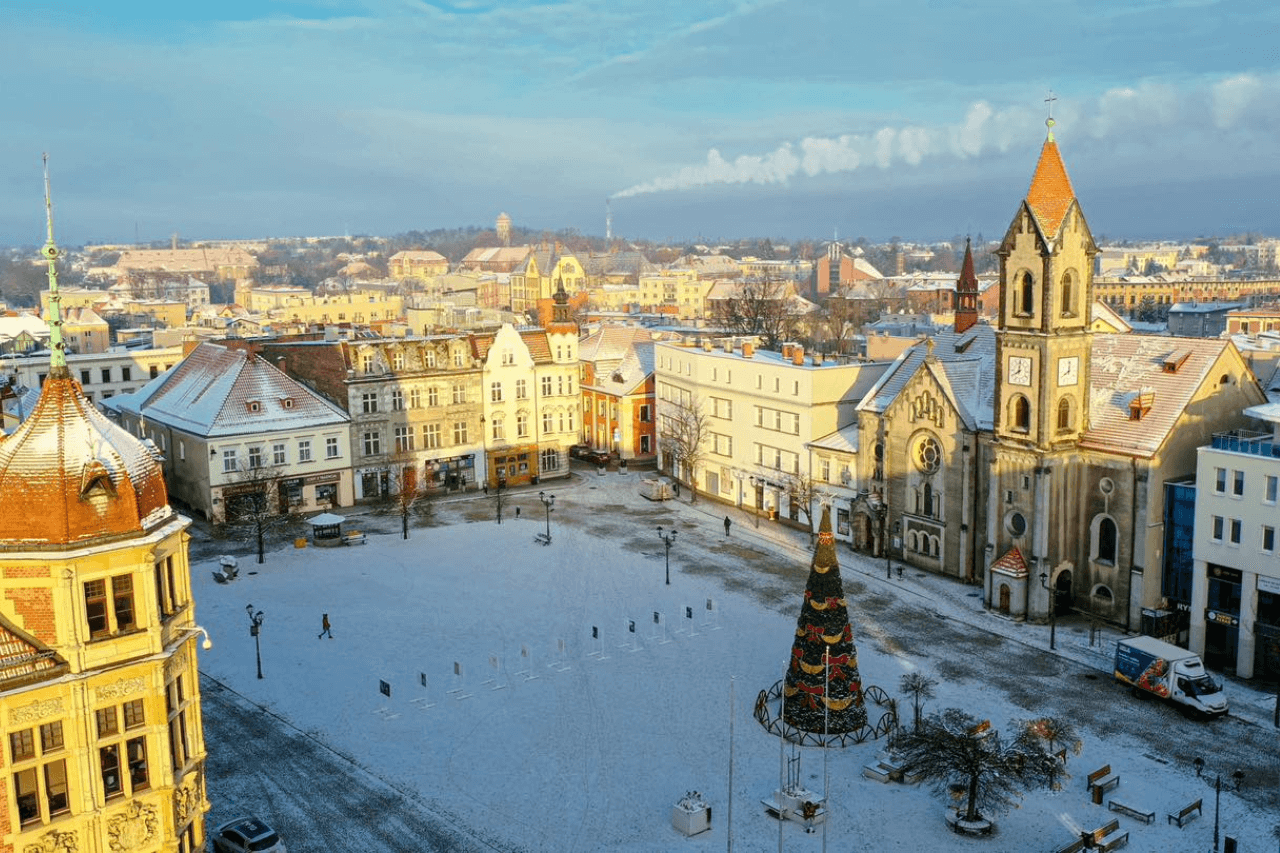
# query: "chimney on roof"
706,345
797,355
748,349
817,359
728,345
786,350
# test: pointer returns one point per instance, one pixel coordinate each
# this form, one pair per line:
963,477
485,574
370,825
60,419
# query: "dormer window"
286,402
253,406
1175,360
1141,404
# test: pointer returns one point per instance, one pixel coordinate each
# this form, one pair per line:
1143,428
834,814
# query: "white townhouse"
234,430
762,410
1235,585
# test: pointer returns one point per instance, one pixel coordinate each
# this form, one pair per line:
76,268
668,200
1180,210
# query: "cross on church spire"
1049,122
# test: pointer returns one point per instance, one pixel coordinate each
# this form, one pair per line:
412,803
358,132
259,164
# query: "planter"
975,828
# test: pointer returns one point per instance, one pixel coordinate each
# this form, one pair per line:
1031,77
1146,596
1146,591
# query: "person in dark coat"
324,627
727,523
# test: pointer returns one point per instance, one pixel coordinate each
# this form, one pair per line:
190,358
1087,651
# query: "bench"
1137,812
1103,778
542,539
1113,843
1097,840
353,537
1181,817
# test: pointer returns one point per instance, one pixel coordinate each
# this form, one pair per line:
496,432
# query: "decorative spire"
58,349
1049,122
966,293
823,689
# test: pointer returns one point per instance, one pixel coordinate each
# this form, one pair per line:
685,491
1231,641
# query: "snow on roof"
216,391
965,365
1122,366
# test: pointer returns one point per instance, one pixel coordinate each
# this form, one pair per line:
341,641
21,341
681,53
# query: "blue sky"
719,119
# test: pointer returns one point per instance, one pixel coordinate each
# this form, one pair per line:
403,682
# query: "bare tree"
760,307
920,688
954,749
252,502
833,328
405,491
1058,733
684,431
804,492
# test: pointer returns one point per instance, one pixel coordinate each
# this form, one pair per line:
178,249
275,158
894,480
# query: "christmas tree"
823,690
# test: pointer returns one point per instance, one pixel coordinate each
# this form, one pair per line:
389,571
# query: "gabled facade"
531,399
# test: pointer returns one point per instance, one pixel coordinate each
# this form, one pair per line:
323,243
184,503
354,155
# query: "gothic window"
928,499
928,455
879,455
1064,414
1020,414
1068,294
1105,538
1026,295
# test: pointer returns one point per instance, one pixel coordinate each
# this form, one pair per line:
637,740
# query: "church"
99,690
1031,455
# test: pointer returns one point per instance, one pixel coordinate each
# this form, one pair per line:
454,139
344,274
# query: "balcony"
1247,441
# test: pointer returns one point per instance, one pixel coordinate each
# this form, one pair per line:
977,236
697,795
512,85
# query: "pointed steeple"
561,311
1051,194
57,347
823,690
966,293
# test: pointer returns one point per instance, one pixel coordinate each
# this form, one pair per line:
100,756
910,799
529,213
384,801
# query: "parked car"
586,453
247,835
597,457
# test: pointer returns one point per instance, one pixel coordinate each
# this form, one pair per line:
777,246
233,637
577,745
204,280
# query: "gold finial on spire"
1049,122
57,348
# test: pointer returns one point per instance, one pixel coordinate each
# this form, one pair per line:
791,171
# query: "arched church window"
1020,414
1105,540
1064,414
928,499
1026,299
1068,294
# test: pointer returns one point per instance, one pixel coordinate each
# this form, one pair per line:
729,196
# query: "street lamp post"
548,502
668,539
883,512
1053,610
255,631
1236,777
755,501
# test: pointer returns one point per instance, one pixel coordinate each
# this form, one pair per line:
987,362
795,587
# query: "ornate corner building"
103,746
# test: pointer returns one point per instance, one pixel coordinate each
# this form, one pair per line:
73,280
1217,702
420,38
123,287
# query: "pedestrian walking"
517,512
727,523
324,627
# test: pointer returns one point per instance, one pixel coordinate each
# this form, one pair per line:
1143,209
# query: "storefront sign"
1268,584
1221,618
323,478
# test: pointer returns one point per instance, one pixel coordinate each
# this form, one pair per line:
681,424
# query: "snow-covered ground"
530,728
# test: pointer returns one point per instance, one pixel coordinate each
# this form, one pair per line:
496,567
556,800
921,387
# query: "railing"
1247,441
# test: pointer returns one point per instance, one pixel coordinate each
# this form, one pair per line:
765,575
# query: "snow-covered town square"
564,697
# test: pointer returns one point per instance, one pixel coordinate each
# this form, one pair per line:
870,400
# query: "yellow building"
417,264
103,746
